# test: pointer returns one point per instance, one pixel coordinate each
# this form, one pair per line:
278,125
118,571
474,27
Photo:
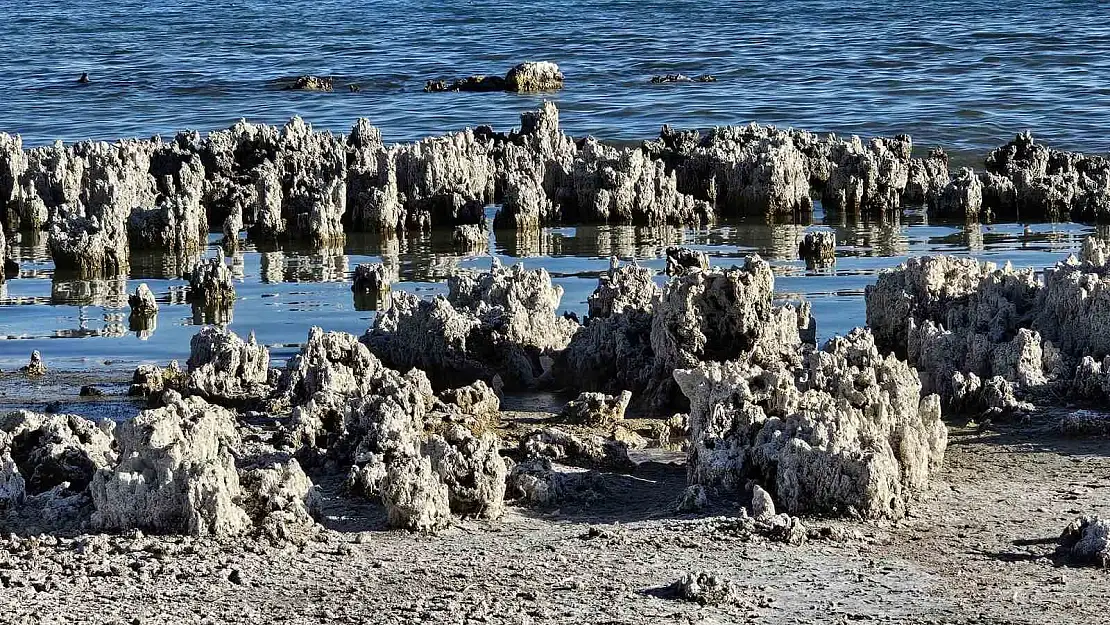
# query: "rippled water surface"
965,75
283,292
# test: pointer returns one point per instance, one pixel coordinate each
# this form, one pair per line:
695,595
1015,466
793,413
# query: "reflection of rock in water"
624,241
302,264
154,265
529,242
178,296
108,292
273,267
324,265
884,238
973,234
439,267
214,314
783,241
368,301
113,326
143,325
238,265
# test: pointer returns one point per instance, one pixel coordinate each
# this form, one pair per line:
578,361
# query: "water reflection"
284,289
374,301
107,292
218,314
154,265
142,325
92,324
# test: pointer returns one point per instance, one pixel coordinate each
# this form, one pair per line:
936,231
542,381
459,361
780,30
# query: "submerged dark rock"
669,78
525,77
477,83
312,83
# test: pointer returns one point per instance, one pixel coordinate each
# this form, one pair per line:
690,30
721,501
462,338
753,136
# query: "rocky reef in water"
97,201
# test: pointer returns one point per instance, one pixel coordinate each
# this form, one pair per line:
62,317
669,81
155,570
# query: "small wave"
970,114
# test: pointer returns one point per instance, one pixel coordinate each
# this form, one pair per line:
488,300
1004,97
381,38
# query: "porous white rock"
346,401
472,469
926,177
151,380
848,431
534,76
314,183
705,589
142,301
683,259
415,499
589,451
280,499
722,314
740,170
1073,310
475,406
36,366
613,351
224,368
471,238
818,248
763,506
596,409
178,221
953,315
607,185
176,473
211,282
370,278
867,178
42,452
13,487
1086,540
637,333
1035,181
502,322
539,482
961,197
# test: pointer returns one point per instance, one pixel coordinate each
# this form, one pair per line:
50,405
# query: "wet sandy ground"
978,549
